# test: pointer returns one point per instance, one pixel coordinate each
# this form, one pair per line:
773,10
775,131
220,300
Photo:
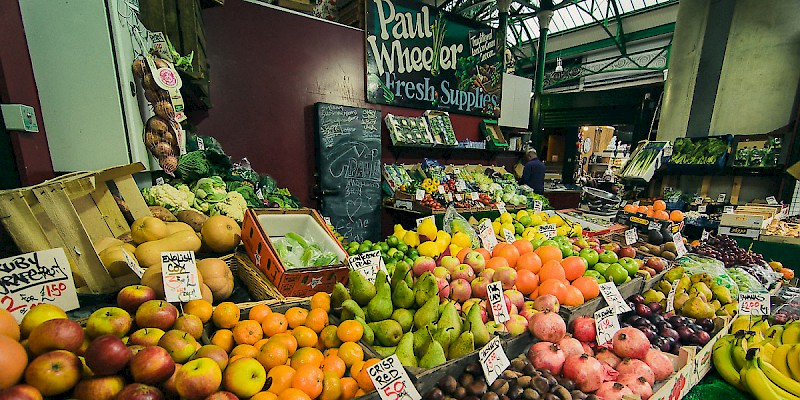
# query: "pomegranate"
585,371
660,363
607,356
630,343
612,391
583,329
570,347
537,347
546,302
638,385
636,368
551,359
609,374
587,349
548,326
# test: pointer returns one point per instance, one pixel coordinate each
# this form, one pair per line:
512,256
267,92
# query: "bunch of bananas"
761,359
430,185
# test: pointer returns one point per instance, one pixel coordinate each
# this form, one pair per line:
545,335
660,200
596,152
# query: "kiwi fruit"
448,384
499,386
435,394
490,396
531,394
541,385
466,379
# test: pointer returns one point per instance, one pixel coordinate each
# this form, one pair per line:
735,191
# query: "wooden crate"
72,212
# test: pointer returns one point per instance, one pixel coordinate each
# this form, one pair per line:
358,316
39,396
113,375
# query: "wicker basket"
258,285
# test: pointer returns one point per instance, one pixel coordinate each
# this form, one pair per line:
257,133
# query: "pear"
463,345
424,288
679,300
695,307
433,357
721,293
480,332
684,284
405,350
351,309
715,304
704,277
339,295
442,336
450,321
674,274
428,313
701,288
387,332
369,335
663,286
422,339
385,352
403,296
653,296
380,307
404,317
402,273
361,289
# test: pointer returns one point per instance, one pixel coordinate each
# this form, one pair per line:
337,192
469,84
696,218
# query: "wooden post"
704,187
737,187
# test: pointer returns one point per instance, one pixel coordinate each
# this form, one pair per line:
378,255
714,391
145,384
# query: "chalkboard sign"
348,169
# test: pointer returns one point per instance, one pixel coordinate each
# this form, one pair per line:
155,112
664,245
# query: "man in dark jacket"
533,173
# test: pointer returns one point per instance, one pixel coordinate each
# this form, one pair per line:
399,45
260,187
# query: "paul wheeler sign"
420,57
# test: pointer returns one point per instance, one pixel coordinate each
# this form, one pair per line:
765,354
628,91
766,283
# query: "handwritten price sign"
548,230
631,236
607,324
179,272
501,207
679,245
368,264
754,304
391,381
493,360
671,297
30,279
487,235
537,206
419,195
494,291
614,298
509,236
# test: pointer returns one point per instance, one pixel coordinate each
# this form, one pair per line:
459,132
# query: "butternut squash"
105,243
221,234
149,253
206,293
173,227
148,229
114,260
217,276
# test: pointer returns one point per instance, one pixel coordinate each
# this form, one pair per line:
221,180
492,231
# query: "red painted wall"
17,85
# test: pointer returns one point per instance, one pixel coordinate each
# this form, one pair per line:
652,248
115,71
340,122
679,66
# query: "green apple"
146,337
630,265
601,268
244,377
109,321
609,257
590,256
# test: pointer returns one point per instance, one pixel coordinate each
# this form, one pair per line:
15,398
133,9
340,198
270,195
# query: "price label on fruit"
754,304
391,381
494,292
631,236
487,235
132,264
727,210
493,360
772,201
704,235
179,272
701,208
420,194
260,194
654,226
368,264
41,277
680,247
461,186
548,230
327,220
200,144
404,204
613,297
671,296
440,189
509,236
537,206
501,207
721,198
474,196
607,324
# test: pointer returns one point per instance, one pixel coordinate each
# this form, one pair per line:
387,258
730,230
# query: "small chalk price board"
391,380
607,324
493,360
754,304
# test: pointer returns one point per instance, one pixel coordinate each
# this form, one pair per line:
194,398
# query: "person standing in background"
533,172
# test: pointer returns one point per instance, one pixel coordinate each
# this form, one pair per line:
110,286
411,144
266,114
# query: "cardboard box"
743,220
261,226
752,233
642,222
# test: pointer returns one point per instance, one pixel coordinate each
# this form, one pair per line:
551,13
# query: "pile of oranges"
658,211
303,356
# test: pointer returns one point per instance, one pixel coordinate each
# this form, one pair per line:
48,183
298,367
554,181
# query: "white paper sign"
501,207
456,171
430,217
494,292
607,324
509,236
41,277
440,189
704,235
493,360
179,272
420,195
548,230
459,197
771,201
368,264
728,210
327,220
636,203
754,304
631,236
449,197
461,186
679,245
404,204
391,380
698,200
159,180
487,235
721,198
132,264
671,296
654,226
474,196
259,194
701,208
200,144
667,189
537,206
613,297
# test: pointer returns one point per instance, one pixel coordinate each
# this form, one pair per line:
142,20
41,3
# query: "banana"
754,339
779,379
767,351
761,326
739,353
791,333
723,341
721,356
775,334
779,359
759,385
741,324
793,361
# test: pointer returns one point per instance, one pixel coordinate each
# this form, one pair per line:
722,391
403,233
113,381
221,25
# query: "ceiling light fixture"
559,67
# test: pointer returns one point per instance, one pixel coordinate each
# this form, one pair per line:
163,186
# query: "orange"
548,253
574,267
349,388
659,205
529,261
523,246
274,324
463,253
317,319
272,354
630,208
350,353
308,378
552,270
260,343
356,368
281,377
554,287
360,392
350,331
293,394
331,386
200,308
572,297
329,336
287,340
334,364
245,350
363,379
527,281
676,216
588,287
296,316
509,252
662,215
496,262
238,356
8,325
226,315
306,356
641,210
306,337
258,313
247,332
330,352
485,253
223,338
321,300
13,359
265,396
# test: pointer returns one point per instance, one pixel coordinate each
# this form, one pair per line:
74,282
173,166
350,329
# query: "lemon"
455,249
496,226
521,213
441,246
536,220
543,215
411,238
525,220
506,218
428,229
562,230
399,231
576,230
508,226
461,239
556,219
429,249
529,233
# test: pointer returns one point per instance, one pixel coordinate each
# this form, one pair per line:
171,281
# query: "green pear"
404,317
702,288
361,289
405,350
428,313
433,357
422,339
425,288
450,321
369,335
695,307
721,293
387,332
442,335
679,300
463,345
673,274
683,284
480,332
339,295
385,352
380,307
402,273
403,296
351,309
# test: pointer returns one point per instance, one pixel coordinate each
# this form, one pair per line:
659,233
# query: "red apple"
107,355
109,321
476,261
213,352
179,344
423,264
222,396
198,379
190,324
56,334
20,392
627,251
156,314
460,290
146,337
507,276
99,388
612,246
656,263
169,385
479,287
131,297
151,366
138,391
54,373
